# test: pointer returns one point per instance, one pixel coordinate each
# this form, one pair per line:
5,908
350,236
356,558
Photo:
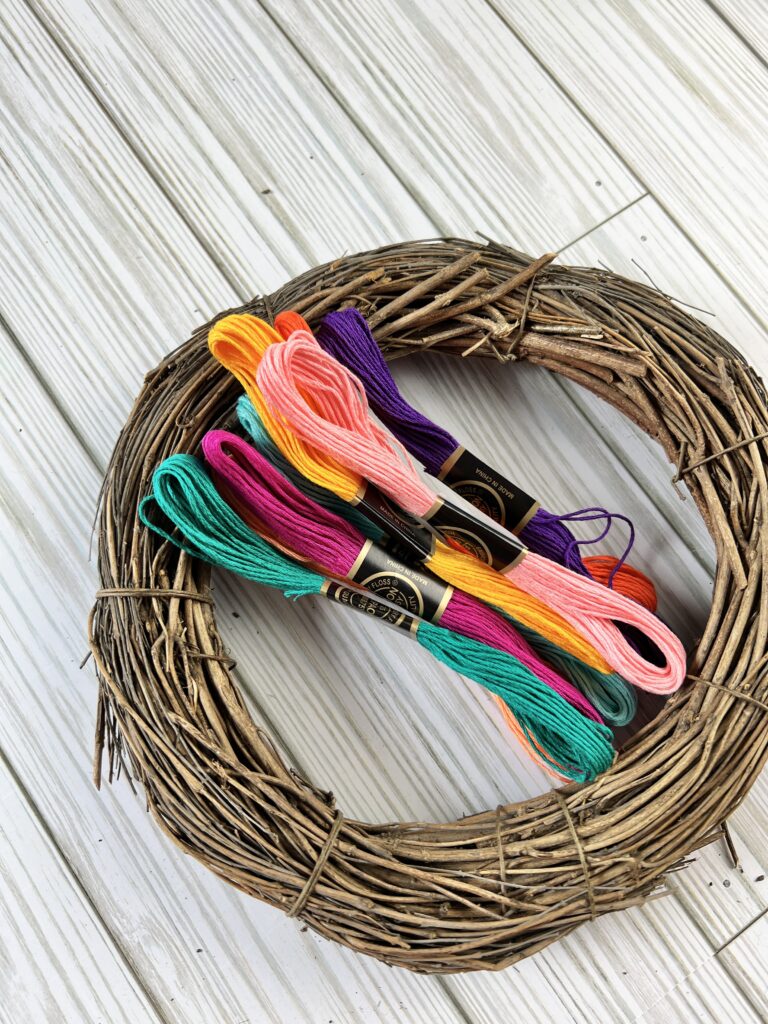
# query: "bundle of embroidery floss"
239,342
345,334
326,406
614,699
569,743
334,545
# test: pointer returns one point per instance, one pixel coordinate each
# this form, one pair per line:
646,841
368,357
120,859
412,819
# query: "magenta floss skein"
334,545
346,336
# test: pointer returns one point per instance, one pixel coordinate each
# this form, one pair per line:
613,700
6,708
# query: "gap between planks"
626,162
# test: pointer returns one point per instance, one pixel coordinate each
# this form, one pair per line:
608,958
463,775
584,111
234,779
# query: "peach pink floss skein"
326,406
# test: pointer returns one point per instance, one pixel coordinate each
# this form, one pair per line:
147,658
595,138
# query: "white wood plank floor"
162,160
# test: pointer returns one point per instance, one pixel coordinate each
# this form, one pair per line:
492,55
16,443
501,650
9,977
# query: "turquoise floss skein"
614,697
567,742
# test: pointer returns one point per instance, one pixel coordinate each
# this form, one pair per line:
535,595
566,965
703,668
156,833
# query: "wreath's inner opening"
365,711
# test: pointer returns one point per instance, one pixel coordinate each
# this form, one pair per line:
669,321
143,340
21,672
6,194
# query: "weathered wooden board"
311,128
682,100
707,996
58,961
744,959
749,20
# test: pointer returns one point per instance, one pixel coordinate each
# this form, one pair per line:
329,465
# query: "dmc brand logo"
471,542
367,605
483,497
397,589
374,608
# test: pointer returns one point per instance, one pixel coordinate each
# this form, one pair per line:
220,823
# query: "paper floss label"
417,592
368,605
497,548
415,541
487,490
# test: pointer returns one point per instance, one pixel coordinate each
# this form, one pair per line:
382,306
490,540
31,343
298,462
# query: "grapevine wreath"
484,891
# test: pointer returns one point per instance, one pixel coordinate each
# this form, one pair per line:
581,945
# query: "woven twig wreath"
484,891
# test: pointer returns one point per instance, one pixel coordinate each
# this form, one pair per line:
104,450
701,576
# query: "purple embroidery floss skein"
345,335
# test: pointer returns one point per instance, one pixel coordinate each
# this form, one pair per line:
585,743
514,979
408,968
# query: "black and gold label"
482,538
416,541
368,605
487,490
417,592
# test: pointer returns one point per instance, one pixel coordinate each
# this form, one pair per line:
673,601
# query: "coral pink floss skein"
333,544
326,405
346,331
345,335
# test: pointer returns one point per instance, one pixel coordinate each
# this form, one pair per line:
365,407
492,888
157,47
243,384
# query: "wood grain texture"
86,225
744,960
706,996
456,105
422,125
749,20
58,962
624,963
242,138
682,100
134,252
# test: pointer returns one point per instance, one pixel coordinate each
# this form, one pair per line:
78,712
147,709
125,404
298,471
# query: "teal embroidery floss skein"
566,741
